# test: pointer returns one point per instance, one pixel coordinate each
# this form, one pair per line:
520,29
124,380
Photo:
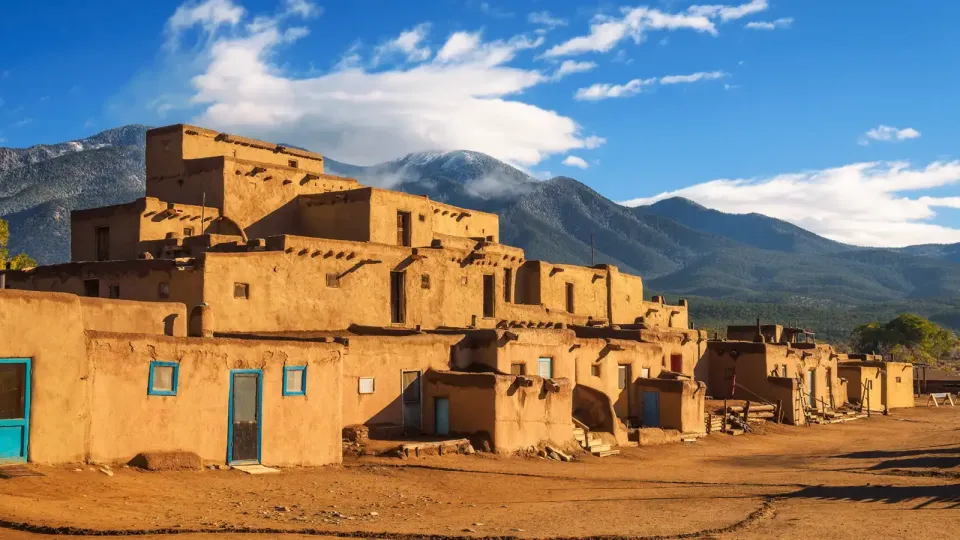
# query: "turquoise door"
14,409
441,408
651,409
545,368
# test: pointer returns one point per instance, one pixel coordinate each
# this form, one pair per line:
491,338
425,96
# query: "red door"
676,363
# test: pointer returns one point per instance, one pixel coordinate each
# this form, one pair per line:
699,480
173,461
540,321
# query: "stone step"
599,447
605,453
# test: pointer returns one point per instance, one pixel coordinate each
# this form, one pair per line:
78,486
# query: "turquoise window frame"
176,378
303,388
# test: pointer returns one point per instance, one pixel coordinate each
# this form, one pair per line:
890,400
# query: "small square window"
595,370
463,280
333,281
898,379
425,281
422,217
163,291
366,385
294,380
292,163
163,378
114,291
241,290
518,369
187,231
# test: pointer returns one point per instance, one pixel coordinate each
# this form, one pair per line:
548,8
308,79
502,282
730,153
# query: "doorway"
811,394
441,408
676,363
622,406
398,297
14,409
410,391
103,243
246,408
545,368
651,409
403,229
489,301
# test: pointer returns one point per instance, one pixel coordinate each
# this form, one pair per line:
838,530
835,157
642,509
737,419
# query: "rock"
78,470
516,530
469,530
554,456
374,514
167,461
542,453
281,509
106,471
478,524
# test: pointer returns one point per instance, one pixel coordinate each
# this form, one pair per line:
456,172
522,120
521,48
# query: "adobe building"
876,384
409,304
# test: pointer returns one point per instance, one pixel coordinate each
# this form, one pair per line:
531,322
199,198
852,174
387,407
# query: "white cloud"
574,161
302,8
544,18
466,96
600,91
693,77
408,44
864,204
784,22
607,32
888,134
604,91
569,67
209,14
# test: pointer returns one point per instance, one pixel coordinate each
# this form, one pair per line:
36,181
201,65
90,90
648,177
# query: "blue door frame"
15,432
259,373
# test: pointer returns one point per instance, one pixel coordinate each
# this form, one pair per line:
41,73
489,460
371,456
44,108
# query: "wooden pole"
779,411
724,416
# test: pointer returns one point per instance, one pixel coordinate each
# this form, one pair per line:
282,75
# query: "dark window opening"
518,369
898,379
403,228
508,285
164,291
425,281
489,302
333,281
91,287
113,291
595,370
623,376
292,163
570,298
241,290
676,363
103,243
398,300
187,231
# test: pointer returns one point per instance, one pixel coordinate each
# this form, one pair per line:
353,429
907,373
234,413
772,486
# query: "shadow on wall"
593,408
945,497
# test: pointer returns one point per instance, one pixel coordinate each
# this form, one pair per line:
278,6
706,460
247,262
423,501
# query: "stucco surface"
159,318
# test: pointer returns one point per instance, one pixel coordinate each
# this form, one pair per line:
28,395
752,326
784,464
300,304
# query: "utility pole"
593,258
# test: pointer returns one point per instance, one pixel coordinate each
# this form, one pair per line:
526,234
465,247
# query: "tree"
908,337
17,262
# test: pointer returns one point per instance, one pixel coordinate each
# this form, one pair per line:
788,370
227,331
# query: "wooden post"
746,413
724,416
779,411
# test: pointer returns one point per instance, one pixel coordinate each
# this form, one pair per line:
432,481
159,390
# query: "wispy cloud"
574,161
569,67
868,204
600,91
607,32
783,22
545,19
884,133
409,44
22,122
468,94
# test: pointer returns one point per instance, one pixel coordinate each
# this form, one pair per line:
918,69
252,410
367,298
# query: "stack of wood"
714,422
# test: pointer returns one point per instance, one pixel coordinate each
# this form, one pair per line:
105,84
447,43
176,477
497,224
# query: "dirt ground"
885,477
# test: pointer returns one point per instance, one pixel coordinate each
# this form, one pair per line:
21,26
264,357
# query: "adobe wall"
342,215
48,328
194,182
689,344
385,204
472,402
384,358
772,333
681,403
638,356
455,221
899,393
296,430
657,314
589,289
498,352
157,318
783,390
856,376
626,296
137,279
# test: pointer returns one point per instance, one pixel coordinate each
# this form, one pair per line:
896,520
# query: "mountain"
736,266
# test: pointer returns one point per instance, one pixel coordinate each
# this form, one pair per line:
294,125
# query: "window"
595,370
241,290
518,369
489,304
463,280
294,380
422,217
425,281
367,385
898,379
163,378
163,291
623,376
292,163
508,285
187,231
569,297
545,368
103,243
398,300
403,228
113,291
91,288
333,281
645,372
785,372
676,363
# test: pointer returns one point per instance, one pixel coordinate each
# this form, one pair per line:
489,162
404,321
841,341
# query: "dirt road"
883,477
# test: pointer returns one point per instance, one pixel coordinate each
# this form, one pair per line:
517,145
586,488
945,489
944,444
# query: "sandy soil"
884,477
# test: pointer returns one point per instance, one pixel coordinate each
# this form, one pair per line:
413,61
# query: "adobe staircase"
591,443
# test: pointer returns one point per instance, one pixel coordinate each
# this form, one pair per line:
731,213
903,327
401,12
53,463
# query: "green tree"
908,337
17,262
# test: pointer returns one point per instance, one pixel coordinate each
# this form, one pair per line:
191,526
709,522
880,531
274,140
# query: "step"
605,453
599,448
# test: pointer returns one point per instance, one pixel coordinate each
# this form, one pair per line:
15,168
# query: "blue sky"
839,116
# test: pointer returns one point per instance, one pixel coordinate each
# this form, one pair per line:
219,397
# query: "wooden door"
14,409
410,391
245,411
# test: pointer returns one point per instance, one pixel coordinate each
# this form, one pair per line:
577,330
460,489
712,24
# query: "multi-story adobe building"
364,306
